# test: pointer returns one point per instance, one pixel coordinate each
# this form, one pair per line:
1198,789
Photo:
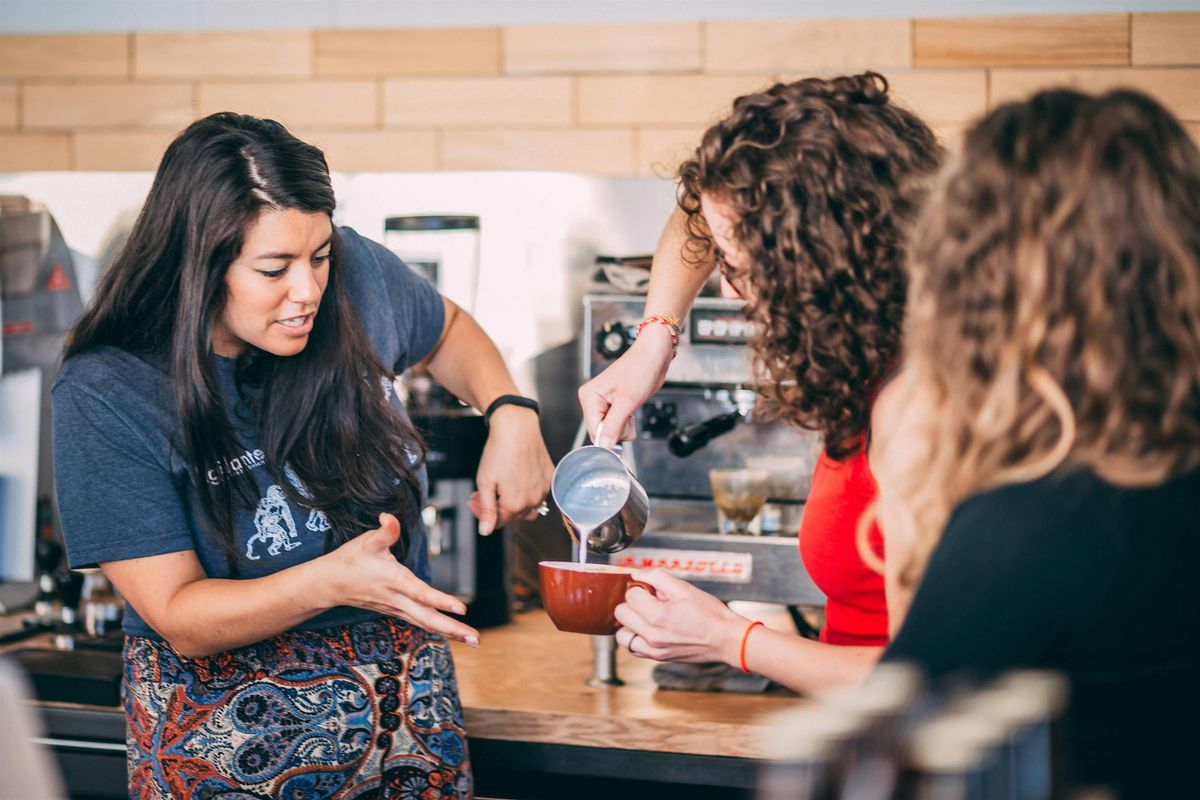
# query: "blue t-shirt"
125,491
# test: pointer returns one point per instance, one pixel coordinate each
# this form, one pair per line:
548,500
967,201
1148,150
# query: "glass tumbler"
739,495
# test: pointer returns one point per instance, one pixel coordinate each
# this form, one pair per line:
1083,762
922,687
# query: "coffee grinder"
473,568
444,249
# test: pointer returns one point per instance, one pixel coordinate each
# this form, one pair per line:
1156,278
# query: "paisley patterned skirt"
368,710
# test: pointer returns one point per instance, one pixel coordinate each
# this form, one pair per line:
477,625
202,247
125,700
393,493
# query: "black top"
1073,574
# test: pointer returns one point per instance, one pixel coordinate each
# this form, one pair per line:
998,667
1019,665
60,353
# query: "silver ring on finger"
543,509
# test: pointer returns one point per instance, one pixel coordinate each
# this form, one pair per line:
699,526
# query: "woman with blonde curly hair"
801,197
1038,457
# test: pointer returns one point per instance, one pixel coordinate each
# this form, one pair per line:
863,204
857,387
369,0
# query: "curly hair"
1054,316
823,178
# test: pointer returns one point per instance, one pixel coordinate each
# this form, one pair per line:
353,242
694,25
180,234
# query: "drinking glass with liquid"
739,495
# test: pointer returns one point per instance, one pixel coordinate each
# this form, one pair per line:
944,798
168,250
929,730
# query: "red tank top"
855,609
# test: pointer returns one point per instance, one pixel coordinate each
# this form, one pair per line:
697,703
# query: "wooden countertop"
526,682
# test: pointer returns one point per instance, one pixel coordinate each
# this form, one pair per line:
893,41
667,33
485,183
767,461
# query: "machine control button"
613,339
658,419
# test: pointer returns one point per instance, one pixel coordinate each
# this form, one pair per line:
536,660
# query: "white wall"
20,417
540,232
123,15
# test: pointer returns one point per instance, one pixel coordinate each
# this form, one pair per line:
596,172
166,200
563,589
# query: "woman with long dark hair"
801,197
230,451
1039,454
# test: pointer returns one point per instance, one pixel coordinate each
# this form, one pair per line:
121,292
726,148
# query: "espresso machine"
703,418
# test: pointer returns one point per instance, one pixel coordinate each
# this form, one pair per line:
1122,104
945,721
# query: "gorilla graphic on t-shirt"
273,525
317,521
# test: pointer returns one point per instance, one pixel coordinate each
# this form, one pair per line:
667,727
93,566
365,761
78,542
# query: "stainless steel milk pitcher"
599,499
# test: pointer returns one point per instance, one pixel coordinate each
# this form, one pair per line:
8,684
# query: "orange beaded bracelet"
745,637
672,325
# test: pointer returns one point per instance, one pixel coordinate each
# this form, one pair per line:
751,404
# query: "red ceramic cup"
581,598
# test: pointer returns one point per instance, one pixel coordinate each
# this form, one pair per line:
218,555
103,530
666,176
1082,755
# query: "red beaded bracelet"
745,637
672,325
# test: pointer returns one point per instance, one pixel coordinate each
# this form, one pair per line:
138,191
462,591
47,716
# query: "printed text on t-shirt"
236,465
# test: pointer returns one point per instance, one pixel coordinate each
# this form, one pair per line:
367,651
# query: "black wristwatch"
510,400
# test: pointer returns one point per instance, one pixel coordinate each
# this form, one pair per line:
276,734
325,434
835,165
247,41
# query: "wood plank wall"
613,99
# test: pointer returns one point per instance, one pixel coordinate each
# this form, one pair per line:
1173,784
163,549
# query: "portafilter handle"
685,441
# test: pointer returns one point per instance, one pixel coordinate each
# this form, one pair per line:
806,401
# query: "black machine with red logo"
38,287
39,302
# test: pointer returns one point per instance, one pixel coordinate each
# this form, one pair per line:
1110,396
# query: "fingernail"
485,528
460,609
472,640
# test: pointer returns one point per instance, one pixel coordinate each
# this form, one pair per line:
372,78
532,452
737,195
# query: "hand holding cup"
581,598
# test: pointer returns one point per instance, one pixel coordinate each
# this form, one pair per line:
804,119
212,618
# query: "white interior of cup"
575,566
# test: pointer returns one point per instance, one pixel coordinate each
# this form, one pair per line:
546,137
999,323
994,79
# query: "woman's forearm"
675,621
514,471
467,362
674,283
211,615
804,665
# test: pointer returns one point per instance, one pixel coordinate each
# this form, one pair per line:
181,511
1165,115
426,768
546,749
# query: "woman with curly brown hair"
801,197
1049,518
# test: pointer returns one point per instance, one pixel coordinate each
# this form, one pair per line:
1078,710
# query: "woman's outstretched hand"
678,622
363,573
